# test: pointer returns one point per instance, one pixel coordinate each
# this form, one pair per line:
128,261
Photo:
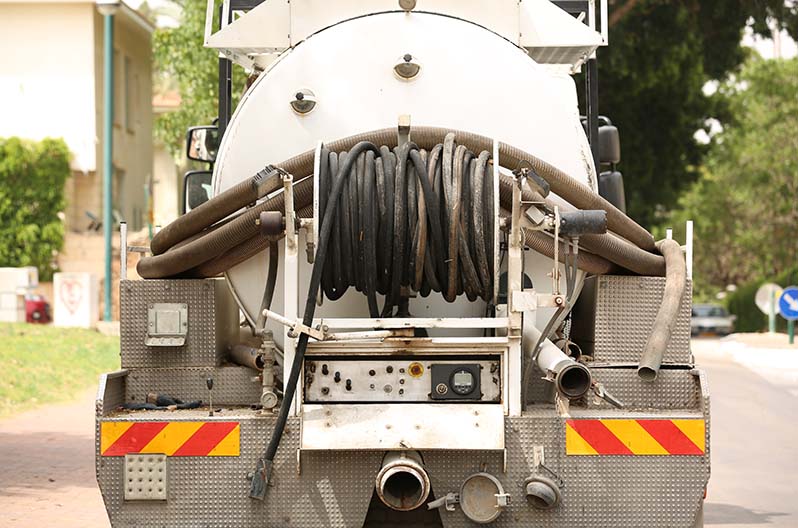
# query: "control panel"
402,379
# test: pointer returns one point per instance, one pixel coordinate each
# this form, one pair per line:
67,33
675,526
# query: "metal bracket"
296,327
167,324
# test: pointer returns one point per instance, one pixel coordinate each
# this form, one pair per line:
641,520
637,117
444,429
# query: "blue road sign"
788,303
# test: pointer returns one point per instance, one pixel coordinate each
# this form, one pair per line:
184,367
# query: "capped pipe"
542,492
402,483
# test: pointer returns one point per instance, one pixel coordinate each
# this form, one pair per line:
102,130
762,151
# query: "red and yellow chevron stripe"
170,438
635,437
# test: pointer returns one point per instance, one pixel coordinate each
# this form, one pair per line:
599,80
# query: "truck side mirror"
609,144
202,143
610,184
196,189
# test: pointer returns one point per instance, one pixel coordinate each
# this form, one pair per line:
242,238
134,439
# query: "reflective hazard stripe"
635,437
170,438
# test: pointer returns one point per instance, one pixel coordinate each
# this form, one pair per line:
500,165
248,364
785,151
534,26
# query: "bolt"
337,377
325,390
324,369
372,373
299,96
389,369
407,57
349,384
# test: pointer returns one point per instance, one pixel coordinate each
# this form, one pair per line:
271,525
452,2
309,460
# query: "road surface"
47,468
754,402
47,455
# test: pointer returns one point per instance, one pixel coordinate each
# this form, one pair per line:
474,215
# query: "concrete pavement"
47,468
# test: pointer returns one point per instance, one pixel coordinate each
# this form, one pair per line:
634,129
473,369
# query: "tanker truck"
407,294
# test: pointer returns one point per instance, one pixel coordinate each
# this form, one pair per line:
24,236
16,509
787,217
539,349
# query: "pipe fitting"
402,483
542,492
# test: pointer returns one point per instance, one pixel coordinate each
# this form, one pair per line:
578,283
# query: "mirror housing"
196,189
202,143
610,185
609,144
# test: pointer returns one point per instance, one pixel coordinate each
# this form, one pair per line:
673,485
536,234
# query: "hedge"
749,317
32,178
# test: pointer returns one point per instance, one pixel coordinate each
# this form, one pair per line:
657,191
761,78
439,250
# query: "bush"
32,178
749,317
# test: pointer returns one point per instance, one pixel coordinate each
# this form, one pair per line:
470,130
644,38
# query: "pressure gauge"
453,381
462,382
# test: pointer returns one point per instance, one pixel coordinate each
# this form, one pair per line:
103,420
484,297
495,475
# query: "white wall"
47,85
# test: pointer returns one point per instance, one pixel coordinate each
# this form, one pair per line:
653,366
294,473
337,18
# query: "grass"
42,364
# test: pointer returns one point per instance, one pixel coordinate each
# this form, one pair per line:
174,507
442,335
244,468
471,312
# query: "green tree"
745,203
182,62
651,76
32,178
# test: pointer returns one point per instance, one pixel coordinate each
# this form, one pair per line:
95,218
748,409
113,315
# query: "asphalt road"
47,455
754,422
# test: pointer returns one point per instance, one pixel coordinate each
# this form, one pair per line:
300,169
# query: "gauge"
452,381
462,382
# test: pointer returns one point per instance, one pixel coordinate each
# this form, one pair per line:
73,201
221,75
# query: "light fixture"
407,67
108,7
304,101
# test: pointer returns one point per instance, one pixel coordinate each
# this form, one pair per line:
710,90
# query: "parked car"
37,309
711,318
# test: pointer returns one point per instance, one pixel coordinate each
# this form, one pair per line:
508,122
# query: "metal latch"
167,324
448,501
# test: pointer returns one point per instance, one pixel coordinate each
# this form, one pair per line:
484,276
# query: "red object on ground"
37,309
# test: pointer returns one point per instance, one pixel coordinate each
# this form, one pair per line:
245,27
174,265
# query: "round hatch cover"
478,498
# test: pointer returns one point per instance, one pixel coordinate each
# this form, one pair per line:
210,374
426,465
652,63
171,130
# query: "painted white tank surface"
471,79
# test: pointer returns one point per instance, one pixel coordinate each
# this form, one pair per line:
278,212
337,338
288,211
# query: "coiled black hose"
360,200
432,213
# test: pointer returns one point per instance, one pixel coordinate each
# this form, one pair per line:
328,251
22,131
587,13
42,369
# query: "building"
51,84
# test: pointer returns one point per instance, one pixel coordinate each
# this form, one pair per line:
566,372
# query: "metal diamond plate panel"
333,489
232,385
145,477
212,322
607,492
673,389
615,317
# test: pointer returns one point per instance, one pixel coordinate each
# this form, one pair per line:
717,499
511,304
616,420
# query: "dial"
462,382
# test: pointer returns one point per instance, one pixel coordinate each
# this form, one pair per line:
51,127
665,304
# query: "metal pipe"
675,281
247,356
108,155
572,379
402,483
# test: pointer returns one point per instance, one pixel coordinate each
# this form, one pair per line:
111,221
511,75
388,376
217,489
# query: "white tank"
470,79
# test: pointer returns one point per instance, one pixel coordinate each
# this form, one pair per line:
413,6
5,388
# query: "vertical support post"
515,271
689,248
108,155
772,313
791,330
291,286
225,77
122,251
591,85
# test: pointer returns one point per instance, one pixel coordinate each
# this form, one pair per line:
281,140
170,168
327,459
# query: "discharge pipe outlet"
402,482
572,379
